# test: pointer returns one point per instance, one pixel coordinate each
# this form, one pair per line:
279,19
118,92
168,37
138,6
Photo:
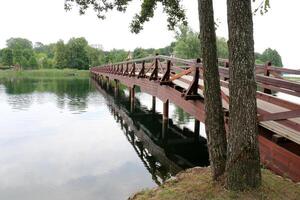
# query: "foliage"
187,44
270,55
7,57
172,8
263,7
60,55
116,55
44,74
77,53
18,43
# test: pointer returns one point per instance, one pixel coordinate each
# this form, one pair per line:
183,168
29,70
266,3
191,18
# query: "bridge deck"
280,116
262,105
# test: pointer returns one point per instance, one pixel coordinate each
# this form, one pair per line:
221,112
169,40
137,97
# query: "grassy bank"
197,184
44,74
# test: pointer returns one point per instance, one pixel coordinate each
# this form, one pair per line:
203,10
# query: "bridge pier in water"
107,83
166,111
116,89
153,104
197,130
131,98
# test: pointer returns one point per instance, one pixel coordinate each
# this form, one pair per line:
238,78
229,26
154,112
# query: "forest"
77,53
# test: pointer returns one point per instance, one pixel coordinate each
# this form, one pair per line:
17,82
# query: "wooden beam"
279,116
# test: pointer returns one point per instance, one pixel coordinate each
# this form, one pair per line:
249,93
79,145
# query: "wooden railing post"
142,72
126,73
132,72
121,70
154,74
166,77
267,73
192,92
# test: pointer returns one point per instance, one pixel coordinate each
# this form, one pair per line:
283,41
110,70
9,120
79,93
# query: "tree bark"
243,163
214,121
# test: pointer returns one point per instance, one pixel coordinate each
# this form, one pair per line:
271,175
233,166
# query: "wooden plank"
278,83
279,116
277,101
185,72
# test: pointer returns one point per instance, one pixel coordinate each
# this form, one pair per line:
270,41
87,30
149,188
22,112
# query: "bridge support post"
107,84
197,130
166,111
116,88
165,135
153,104
131,98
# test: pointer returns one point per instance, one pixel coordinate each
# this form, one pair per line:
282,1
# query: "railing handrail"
194,62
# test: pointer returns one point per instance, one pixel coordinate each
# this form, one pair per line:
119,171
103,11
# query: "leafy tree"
18,43
60,55
18,57
7,57
167,51
271,55
187,43
139,53
116,55
96,56
173,9
222,47
46,63
27,53
32,62
77,53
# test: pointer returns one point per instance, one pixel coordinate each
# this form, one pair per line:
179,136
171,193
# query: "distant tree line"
78,54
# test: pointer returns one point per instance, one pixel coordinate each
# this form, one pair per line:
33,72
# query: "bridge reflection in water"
164,148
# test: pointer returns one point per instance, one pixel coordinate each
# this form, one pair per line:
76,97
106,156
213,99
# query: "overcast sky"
46,21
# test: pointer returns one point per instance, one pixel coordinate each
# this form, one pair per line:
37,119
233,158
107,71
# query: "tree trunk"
214,121
243,163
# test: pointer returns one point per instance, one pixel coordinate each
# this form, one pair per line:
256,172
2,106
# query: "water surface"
59,139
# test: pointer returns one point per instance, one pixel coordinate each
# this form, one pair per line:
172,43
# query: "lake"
66,139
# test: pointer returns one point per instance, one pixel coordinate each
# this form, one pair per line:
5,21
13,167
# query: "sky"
46,21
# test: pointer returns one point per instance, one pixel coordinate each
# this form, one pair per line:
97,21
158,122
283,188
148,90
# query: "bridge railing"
186,76
167,69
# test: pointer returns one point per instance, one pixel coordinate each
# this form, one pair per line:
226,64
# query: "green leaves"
263,7
173,9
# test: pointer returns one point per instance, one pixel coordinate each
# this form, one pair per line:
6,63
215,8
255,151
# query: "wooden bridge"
180,82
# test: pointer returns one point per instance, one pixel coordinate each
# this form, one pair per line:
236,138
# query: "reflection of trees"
70,92
180,116
20,102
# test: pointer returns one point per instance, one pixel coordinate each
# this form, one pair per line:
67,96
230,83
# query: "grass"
196,183
44,73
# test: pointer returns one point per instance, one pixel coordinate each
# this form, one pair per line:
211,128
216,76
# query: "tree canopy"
173,9
269,55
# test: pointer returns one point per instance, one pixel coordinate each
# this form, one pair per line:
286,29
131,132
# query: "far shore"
44,73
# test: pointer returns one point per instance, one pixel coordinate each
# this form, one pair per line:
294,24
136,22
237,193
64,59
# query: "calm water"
65,139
